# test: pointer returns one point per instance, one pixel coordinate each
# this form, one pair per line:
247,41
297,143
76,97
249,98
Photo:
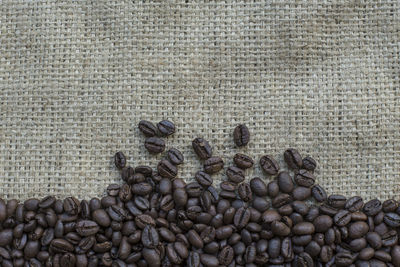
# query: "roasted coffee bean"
358,229
61,246
213,165
285,182
389,205
226,255
293,158
329,210
392,219
147,128
301,193
304,178
269,165
242,217
167,169
243,161
309,163
117,213
342,218
274,247
209,260
154,145
244,191
303,228
261,204
258,187
235,174
166,127
87,228
203,178
318,193
193,189
354,204
280,200
193,260
280,229
389,238
337,201
344,259
119,160
71,206
395,253
180,197
223,232
150,237
202,148
241,135
372,207
272,189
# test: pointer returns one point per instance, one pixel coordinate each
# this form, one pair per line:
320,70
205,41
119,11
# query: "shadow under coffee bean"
157,219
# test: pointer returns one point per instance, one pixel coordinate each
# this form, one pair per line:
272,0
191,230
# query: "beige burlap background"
77,76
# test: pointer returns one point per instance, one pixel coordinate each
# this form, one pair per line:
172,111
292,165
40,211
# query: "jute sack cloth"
77,76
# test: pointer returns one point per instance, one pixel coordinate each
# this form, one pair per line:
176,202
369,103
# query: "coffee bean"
318,193
326,254
167,169
342,218
344,259
166,127
154,145
358,229
395,253
354,204
213,165
301,193
147,128
119,160
241,135
226,255
285,182
235,174
61,246
223,232
242,217
389,238
258,187
203,178
366,254
269,165
309,163
193,260
372,207
274,247
389,205
279,228
392,219
202,148
337,201
303,228
244,191
293,158
209,260
243,161
304,178
71,206
272,189
280,200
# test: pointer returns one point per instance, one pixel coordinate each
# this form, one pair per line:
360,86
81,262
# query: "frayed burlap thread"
77,76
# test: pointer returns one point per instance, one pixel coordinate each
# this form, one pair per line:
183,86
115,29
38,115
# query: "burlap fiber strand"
77,76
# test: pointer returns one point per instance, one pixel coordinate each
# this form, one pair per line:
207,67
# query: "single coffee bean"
244,191
389,238
61,246
280,200
209,260
372,207
318,193
392,219
269,165
167,169
258,187
309,163
358,229
147,128
313,249
301,193
261,204
389,205
279,228
87,228
274,247
71,206
223,232
293,158
366,254
213,165
242,217
175,156
243,161
226,255
166,127
202,148
119,160
273,189
141,189
151,256
203,178
285,182
150,237
193,260
154,145
241,135
303,228
337,201
344,259
228,186
342,218
193,189
395,253
304,178
194,239
235,174
326,254
354,204
180,197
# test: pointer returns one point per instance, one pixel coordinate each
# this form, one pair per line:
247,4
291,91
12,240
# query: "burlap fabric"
77,76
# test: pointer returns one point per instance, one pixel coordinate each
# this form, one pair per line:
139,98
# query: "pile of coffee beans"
156,219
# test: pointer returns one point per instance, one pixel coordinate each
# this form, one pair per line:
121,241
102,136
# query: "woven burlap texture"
76,77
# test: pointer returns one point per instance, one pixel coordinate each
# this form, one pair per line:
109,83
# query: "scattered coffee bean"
202,148
154,145
166,127
269,165
175,156
241,135
119,160
147,128
243,161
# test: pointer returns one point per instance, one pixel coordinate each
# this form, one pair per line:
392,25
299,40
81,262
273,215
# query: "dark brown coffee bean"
167,203
300,207
293,158
303,228
209,260
395,253
193,260
274,247
208,234
389,238
228,186
119,160
241,135
250,254
223,232
366,254
226,255
194,239
342,218
202,148
61,246
279,228
152,257
285,182
71,206
235,174
6,236
269,165
280,200
166,127
309,163
337,201
392,219
242,217
150,237
167,169
193,189
304,178
261,204
147,128
258,187
213,165
113,190
243,161
318,193
203,178
154,145
358,229
117,213
47,202
272,189
326,254
244,191
372,207
87,228
180,197
344,259
329,210
354,204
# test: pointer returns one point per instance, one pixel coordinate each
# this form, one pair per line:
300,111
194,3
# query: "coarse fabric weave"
76,77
